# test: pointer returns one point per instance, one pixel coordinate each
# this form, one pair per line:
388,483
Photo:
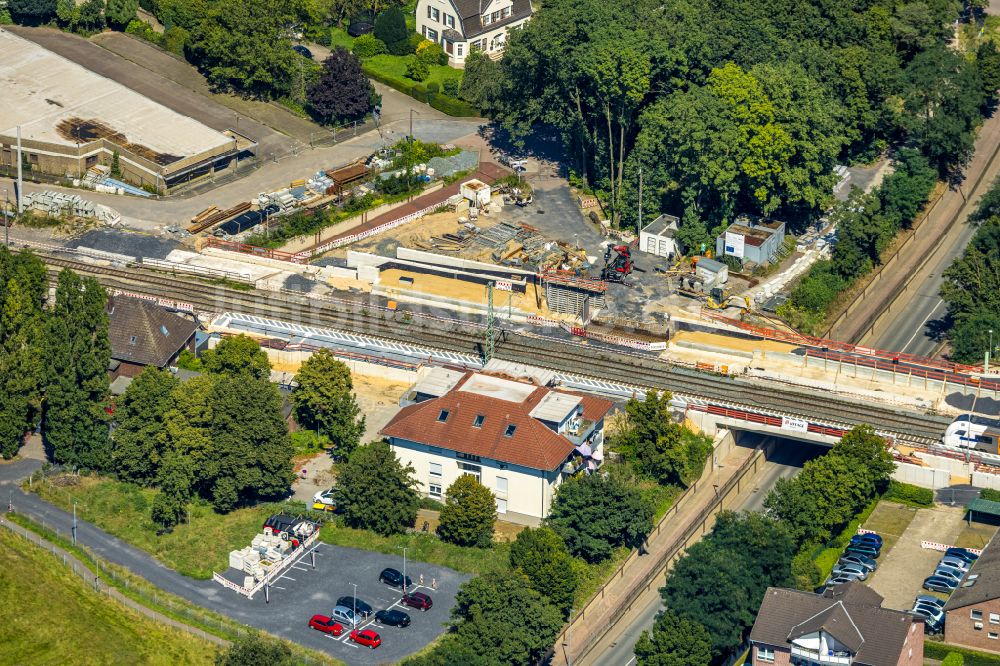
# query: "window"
502,508
494,17
435,469
511,429
765,654
992,635
976,615
467,456
434,14
994,618
501,485
443,416
459,49
471,470
432,35
434,489
505,12
486,19
132,340
449,20
434,481
478,422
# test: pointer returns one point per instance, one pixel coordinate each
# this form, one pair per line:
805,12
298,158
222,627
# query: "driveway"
902,571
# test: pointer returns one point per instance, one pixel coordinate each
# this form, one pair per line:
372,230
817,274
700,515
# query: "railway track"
358,315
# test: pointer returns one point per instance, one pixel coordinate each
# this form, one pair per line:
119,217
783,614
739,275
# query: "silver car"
850,569
950,573
345,615
955,563
861,560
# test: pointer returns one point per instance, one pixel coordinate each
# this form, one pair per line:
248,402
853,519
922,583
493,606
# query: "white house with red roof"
518,438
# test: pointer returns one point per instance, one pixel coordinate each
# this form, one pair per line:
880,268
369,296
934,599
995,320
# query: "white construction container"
236,560
476,191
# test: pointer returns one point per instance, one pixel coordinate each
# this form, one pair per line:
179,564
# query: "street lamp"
404,549
355,609
989,353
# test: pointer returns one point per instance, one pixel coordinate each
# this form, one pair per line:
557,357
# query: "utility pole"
639,228
490,324
355,609
74,523
20,180
404,549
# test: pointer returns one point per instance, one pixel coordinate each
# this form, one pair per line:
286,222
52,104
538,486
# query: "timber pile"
212,216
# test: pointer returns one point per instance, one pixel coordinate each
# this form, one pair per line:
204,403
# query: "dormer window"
132,340
478,422
511,429
443,416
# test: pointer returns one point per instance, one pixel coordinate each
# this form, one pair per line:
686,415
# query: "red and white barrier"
934,545
165,302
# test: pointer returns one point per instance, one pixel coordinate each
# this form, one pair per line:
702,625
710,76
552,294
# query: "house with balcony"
972,614
519,438
844,625
461,26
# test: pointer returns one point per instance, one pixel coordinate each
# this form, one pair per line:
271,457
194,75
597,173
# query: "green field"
52,617
122,509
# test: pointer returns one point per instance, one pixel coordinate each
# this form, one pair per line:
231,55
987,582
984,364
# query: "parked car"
326,625
346,615
867,537
850,569
417,600
357,605
933,617
855,558
929,600
303,51
955,563
949,572
324,501
865,549
840,579
393,578
961,553
279,523
366,637
939,584
393,617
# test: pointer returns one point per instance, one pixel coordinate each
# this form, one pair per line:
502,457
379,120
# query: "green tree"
541,555
368,46
342,91
953,659
674,641
243,45
31,12
504,618
251,452
972,282
67,12
324,401
720,581
120,12
376,492
92,16
135,452
237,355
970,338
481,80
469,514
416,69
390,29
176,481
75,424
988,67
23,288
594,515
255,650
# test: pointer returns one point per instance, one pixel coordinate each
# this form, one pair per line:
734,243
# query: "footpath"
938,227
691,516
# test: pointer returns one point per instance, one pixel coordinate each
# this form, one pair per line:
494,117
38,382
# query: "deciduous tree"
136,441
376,492
469,514
541,555
674,641
324,401
390,28
235,356
342,91
120,12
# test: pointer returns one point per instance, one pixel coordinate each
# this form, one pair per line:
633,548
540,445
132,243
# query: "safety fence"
783,422
835,345
284,345
619,340
272,575
899,367
163,302
392,224
934,545
268,253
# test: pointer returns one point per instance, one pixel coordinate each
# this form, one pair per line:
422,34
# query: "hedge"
936,650
989,494
419,92
905,493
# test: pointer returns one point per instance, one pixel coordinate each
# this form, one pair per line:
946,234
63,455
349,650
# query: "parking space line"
295,566
288,577
276,587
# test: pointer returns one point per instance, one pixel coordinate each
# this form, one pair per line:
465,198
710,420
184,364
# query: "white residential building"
460,26
519,439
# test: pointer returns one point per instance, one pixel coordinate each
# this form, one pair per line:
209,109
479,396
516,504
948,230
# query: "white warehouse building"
519,439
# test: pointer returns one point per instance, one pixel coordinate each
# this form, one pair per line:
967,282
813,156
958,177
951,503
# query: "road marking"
295,566
921,327
276,587
288,577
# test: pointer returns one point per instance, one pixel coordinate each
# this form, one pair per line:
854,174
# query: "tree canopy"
342,91
469,514
237,355
674,641
324,401
541,555
595,514
376,492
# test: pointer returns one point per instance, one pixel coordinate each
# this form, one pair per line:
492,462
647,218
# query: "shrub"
417,69
412,42
990,494
953,659
451,86
454,107
906,493
367,46
432,54
433,88
175,39
390,27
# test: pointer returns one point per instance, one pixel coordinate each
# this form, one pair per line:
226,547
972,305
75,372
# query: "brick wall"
960,626
912,653
782,657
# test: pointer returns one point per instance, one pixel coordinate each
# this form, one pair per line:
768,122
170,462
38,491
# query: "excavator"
620,267
717,300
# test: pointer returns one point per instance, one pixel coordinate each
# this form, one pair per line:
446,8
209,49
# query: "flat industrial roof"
495,387
55,100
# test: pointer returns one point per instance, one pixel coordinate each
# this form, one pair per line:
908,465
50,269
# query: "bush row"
425,93
935,650
906,493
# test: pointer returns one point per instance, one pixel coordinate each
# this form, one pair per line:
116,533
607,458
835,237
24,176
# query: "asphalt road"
785,462
293,600
917,327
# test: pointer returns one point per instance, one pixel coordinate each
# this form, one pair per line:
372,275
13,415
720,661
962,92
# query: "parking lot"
304,591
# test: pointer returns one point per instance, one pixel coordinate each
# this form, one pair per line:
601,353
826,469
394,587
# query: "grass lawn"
122,509
55,618
339,37
890,520
395,67
976,535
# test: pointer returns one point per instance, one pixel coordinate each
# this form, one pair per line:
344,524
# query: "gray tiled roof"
473,26
876,635
982,583
144,333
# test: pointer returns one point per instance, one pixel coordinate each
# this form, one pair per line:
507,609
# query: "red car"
366,637
326,624
417,600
